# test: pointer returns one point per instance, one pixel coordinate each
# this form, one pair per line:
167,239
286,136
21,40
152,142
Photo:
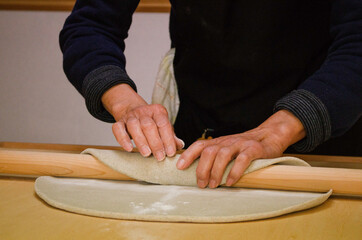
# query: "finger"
166,132
205,165
119,131
134,128
189,156
242,162
150,130
222,159
179,143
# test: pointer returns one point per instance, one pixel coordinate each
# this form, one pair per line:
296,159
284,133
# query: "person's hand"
148,125
269,140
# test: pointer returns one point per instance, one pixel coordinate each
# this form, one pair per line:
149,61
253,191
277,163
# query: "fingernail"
160,155
180,163
212,184
201,183
145,151
170,151
229,182
182,142
128,147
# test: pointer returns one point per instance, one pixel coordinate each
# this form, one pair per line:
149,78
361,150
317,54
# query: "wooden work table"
24,216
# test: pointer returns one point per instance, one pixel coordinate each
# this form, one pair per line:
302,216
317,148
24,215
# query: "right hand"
147,124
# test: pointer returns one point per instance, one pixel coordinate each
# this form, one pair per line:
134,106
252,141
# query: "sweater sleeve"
329,102
92,42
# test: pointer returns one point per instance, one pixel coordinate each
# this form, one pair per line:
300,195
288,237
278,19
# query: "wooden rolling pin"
72,148
314,179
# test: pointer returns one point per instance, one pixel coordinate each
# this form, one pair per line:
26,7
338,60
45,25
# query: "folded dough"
172,203
165,172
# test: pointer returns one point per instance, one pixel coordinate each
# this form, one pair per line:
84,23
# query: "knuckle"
160,108
147,123
123,141
116,126
132,121
255,147
199,143
234,174
162,123
215,173
242,158
210,150
156,144
201,174
251,143
118,129
225,152
143,110
227,141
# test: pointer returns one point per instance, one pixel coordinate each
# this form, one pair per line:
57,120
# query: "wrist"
119,99
285,128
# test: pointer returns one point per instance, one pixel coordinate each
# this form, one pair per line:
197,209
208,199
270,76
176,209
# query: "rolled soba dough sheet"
170,202
165,172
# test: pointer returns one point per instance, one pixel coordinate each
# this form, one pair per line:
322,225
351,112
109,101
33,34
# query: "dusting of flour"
163,206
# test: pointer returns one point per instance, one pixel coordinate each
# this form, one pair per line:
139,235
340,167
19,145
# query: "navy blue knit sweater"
236,62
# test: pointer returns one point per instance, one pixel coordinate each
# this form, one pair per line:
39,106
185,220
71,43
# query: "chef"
254,79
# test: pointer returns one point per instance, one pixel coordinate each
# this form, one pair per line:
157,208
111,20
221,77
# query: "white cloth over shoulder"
165,89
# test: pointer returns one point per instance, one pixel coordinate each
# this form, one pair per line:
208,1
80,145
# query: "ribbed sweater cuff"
98,82
312,113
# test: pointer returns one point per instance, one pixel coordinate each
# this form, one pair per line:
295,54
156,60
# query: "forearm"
93,46
329,102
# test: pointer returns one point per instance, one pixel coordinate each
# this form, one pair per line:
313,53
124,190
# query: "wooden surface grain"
24,216
67,5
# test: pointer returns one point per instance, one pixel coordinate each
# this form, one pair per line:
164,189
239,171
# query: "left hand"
268,140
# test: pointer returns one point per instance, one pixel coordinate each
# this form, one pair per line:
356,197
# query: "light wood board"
24,216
